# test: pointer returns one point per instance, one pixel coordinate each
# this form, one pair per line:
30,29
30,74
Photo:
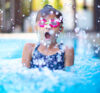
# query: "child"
49,23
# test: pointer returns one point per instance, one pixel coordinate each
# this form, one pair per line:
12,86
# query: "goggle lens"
53,23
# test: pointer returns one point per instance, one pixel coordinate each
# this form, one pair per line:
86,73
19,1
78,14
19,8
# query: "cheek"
41,30
55,35
56,29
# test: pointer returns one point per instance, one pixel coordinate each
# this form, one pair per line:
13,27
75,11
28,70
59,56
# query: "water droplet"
13,28
1,11
98,6
77,29
56,35
23,15
76,15
57,13
98,35
11,19
41,18
51,32
60,18
96,51
51,12
98,21
93,40
95,63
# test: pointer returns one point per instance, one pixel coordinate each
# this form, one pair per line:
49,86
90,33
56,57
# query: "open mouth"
47,35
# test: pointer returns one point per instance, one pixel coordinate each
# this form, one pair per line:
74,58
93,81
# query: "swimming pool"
14,78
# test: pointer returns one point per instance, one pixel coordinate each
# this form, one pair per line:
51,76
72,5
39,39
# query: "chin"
46,42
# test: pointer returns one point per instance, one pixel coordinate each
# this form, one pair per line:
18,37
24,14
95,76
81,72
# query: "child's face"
49,28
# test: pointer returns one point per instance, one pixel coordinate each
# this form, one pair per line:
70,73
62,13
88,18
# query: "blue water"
11,48
83,78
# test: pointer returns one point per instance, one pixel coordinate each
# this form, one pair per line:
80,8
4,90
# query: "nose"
47,26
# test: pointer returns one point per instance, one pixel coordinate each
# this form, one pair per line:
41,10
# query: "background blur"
18,16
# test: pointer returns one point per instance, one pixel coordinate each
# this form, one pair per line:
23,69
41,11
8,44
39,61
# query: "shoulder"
66,48
69,49
26,55
28,47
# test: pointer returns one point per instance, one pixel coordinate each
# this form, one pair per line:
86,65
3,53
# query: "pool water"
11,48
83,78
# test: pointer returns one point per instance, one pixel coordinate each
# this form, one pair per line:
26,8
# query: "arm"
69,56
27,54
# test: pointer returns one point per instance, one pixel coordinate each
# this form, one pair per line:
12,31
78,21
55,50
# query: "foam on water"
84,77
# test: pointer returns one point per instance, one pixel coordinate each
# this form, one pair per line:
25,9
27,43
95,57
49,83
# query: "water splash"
86,70
13,76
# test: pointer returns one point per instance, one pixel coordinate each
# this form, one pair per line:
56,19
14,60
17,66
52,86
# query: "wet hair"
46,10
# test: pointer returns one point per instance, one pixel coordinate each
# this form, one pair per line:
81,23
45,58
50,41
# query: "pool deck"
92,37
18,35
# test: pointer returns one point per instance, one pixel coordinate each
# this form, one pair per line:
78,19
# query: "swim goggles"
52,23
